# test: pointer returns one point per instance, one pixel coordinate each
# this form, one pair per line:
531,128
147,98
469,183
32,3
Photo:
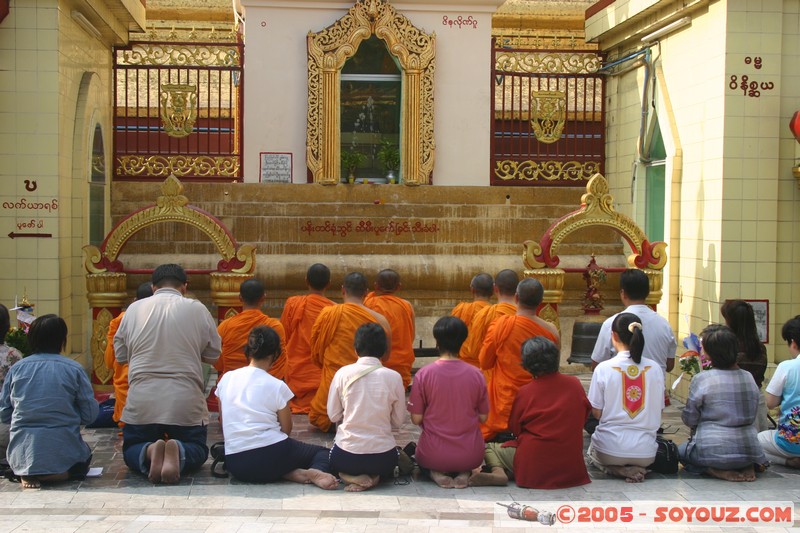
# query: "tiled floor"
123,501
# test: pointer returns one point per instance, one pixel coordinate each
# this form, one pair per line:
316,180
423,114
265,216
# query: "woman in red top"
547,419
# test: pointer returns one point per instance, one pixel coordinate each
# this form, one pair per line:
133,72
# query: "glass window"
370,114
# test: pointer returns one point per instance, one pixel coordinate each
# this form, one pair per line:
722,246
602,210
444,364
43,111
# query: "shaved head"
388,280
483,285
530,293
318,276
355,284
506,282
251,291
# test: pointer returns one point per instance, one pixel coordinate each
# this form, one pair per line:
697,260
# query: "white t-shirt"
249,400
659,339
621,433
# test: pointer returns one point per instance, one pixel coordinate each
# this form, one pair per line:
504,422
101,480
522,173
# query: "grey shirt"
721,408
165,339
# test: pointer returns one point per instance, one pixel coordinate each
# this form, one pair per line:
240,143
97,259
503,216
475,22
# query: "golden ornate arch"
327,52
171,206
597,209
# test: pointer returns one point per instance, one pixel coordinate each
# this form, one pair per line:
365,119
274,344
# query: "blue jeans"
191,443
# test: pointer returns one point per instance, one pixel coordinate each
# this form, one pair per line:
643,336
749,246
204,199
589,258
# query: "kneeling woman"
47,397
257,422
720,410
627,396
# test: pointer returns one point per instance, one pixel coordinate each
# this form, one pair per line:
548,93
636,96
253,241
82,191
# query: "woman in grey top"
720,411
47,397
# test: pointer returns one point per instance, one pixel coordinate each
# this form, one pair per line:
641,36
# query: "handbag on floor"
666,457
217,452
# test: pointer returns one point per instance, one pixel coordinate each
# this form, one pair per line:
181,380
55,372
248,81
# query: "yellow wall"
57,90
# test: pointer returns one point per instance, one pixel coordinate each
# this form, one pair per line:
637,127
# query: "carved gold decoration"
796,174
656,278
225,288
180,55
98,346
171,207
178,109
179,165
552,280
548,113
548,62
549,313
104,289
597,209
327,52
99,164
509,170
230,313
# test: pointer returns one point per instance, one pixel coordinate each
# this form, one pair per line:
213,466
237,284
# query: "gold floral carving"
548,62
225,288
549,313
98,346
178,109
597,209
656,278
327,52
179,165
180,55
509,170
548,113
171,206
104,289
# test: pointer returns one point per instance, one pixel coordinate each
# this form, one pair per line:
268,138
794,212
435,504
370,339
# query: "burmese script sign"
393,228
276,167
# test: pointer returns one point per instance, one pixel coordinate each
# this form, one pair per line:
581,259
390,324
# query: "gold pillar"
331,122
411,132
552,279
656,278
225,293
107,295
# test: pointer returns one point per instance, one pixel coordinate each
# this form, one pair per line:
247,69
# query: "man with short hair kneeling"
367,401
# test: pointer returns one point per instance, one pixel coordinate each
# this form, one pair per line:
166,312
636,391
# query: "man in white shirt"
659,339
368,401
165,339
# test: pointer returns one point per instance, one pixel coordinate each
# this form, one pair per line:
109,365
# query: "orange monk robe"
466,311
302,376
502,353
471,348
235,331
120,379
400,315
332,348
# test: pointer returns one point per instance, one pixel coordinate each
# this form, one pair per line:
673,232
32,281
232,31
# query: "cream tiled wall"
55,91
734,212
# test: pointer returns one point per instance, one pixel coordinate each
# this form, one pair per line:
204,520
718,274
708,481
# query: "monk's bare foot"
727,475
748,474
171,469
442,479
155,454
484,479
30,482
461,481
322,479
358,483
794,462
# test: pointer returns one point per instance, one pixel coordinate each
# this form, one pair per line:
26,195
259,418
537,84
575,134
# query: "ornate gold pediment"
327,52
178,109
548,114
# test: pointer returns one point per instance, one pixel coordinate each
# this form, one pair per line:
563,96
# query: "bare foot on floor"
171,469
461,481
322,479
155,454
728,475
358,483
442,479
748,474
30,482
484,479
794,462
632,474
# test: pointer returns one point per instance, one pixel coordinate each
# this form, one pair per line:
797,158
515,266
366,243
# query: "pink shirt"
369,408
450,394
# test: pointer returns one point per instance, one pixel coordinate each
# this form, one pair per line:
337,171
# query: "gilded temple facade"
468,127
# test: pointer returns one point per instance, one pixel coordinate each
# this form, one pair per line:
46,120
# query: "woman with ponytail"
257,422
627,396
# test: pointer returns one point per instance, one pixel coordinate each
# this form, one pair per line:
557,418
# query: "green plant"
351,160
389,156
17,338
